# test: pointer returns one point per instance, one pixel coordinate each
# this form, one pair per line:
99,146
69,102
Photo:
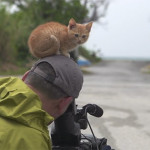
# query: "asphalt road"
123,92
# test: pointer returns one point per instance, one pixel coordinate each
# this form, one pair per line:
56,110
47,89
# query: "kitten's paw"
66,54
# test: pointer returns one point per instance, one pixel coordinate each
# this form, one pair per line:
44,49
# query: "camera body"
66,130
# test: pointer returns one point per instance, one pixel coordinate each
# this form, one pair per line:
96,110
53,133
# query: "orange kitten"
54,38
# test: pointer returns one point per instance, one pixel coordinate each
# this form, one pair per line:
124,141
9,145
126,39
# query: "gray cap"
69,77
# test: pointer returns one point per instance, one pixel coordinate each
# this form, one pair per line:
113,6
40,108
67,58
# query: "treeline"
16,26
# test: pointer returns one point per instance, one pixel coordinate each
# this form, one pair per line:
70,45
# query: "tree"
5,36
86,10
98,9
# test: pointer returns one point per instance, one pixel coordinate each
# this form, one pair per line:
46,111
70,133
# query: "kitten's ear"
88,26
72,24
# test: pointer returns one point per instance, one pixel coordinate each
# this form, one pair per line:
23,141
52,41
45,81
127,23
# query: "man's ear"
64,103
25,75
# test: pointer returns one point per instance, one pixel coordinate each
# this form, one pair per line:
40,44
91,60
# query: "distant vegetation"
90,55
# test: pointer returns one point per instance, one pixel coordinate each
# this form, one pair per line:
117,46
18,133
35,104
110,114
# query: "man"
27,108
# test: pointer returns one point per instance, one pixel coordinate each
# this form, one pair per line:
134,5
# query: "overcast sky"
127,32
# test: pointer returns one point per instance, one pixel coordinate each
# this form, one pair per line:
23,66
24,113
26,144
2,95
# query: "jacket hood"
20,103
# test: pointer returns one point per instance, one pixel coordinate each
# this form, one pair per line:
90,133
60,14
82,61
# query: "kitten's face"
78,33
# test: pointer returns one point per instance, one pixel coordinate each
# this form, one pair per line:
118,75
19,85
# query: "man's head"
57,80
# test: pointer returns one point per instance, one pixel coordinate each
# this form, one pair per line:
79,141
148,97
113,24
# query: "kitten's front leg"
65,53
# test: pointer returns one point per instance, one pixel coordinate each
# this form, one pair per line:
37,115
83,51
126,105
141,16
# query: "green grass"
19,71
85,71
146,69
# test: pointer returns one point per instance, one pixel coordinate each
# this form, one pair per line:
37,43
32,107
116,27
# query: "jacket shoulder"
16,136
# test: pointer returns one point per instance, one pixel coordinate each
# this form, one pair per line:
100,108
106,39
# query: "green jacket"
23,124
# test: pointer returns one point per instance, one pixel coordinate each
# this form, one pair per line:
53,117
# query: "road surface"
123,91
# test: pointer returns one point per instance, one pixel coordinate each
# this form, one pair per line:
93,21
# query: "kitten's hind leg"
52,48
43,45
55,44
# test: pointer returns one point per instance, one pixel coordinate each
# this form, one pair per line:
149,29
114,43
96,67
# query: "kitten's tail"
44,48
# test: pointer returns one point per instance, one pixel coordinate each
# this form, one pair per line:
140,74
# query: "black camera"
66,130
